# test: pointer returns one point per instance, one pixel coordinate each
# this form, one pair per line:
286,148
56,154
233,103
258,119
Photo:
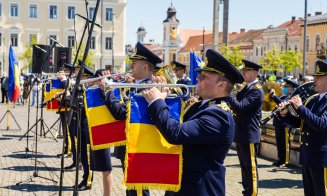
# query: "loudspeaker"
62,55
40,57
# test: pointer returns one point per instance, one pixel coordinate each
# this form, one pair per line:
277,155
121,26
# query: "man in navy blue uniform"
282,129
143,64
180,70
312,121
247,109
207,130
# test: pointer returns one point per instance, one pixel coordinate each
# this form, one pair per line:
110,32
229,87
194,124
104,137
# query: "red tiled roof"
294,27
185,34
195,42
248,37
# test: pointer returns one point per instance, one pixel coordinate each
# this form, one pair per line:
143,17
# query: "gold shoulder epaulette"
224,106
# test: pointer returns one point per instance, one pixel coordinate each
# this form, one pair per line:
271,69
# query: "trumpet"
103,77
132,85
52,74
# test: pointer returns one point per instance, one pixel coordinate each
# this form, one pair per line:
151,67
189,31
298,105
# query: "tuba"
304,91
268,103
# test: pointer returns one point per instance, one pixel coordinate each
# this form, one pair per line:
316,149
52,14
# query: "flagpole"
8,116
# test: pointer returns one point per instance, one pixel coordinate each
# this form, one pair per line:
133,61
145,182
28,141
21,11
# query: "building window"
53,37
317,41
281,48
71,12
261,51
91,12
14,39
53,12
0,39
295,47
0,9
109,14
32,39
256,51
71,41
14,10
33,11
307,44
108,43
92,43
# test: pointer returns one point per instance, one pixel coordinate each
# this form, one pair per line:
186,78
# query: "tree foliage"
233,54
27,56
272,60
89,61
291,59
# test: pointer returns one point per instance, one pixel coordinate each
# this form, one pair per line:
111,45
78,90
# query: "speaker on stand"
62,55
39,57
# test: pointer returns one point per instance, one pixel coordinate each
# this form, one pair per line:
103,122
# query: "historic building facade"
22,21
316,40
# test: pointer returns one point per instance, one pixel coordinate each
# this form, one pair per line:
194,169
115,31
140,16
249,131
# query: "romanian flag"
195,63
104,130
51,89
151,162
13,77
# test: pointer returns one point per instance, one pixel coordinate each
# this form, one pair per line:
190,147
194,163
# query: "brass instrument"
101,77
268,103
164,71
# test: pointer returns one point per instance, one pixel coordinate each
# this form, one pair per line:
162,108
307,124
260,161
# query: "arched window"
317,43
307,44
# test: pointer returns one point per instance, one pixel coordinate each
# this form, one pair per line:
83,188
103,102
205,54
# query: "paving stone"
15,167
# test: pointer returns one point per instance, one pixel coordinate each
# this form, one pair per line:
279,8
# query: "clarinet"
52,99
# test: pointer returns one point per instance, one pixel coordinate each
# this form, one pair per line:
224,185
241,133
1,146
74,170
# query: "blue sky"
196,14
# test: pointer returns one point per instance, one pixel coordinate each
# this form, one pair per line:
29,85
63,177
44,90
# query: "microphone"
55,41
90,21
36,46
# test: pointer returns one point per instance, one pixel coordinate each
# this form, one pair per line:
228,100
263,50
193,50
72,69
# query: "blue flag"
195,63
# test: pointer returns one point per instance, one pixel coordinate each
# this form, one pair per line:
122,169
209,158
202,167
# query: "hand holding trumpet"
296,101
155,93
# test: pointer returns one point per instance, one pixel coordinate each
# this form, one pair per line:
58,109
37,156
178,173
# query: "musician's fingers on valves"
61,75
283,105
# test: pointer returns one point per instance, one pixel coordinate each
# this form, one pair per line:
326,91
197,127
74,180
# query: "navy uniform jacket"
185,80
206,135
247,109
314,132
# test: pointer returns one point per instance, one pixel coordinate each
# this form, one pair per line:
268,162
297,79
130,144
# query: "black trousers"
282,134
314,182
247,155
4,95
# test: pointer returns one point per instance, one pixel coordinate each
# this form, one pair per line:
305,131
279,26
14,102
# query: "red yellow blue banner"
151,162
13,77
51,89
104,130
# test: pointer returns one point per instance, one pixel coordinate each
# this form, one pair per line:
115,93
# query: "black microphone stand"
27,150
36,173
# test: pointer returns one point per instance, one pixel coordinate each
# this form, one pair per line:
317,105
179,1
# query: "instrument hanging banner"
151,162
105,131
51,89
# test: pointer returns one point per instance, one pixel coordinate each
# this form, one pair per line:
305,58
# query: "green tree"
272,60
291,59
27,56
89,61
233,54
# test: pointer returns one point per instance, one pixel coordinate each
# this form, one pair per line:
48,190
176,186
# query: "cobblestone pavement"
15,167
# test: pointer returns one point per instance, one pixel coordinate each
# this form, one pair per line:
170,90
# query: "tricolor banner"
151,162
104,130
13,77
51,89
